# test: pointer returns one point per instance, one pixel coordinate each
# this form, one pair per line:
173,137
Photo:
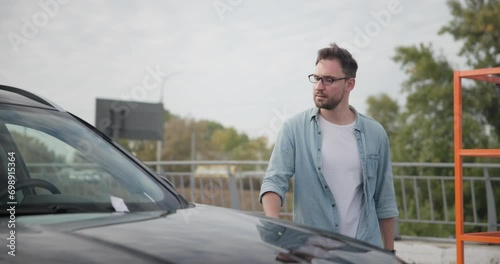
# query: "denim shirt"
297,153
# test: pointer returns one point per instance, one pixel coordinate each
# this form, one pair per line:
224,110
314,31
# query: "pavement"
421,251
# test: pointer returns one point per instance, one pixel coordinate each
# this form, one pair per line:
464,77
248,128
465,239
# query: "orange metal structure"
488,75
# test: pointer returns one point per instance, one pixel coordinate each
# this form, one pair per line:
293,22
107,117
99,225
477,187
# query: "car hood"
203,234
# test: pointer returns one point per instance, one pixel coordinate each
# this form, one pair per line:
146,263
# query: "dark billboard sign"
129,119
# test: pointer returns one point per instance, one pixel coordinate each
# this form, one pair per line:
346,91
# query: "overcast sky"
242,63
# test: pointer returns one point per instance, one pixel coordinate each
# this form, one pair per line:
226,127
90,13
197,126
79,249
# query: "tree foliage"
385,110
477,25
34,150
424,128
186,139
425,133
426,123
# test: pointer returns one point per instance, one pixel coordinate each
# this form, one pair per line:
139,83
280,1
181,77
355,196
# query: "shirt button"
319,149
336,225
319,168
326,186
333,205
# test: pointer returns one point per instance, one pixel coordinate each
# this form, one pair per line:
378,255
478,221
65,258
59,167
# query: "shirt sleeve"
385,198
281,165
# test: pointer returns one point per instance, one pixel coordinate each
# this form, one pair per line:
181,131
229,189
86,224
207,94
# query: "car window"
80,164
53,160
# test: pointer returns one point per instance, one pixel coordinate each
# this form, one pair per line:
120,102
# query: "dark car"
70,194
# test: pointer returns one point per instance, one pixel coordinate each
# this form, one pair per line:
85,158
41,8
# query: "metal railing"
484,182
424,191
423,198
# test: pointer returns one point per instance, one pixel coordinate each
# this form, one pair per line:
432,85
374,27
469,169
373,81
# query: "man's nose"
319,85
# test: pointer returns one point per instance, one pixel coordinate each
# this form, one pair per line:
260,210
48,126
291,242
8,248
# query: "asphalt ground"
430,252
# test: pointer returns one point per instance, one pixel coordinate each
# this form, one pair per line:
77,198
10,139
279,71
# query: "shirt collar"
314,114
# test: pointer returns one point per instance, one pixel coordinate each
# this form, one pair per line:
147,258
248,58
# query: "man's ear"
350,84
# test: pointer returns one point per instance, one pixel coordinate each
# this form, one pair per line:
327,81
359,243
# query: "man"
340,160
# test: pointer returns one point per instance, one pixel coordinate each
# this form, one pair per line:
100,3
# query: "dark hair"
347,62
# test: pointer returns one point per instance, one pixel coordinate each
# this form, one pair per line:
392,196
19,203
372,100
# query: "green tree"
34,150
426,124
425,129
255,149
210,140
477,25
385,110
204,132
226,140
177,139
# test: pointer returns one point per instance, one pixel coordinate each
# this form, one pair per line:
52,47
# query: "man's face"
330,96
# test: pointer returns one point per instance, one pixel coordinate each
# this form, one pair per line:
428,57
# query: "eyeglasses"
325,79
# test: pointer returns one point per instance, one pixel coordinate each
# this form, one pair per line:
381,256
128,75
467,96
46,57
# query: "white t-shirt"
342,171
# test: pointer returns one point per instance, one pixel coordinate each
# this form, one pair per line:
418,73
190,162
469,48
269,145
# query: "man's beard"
330,103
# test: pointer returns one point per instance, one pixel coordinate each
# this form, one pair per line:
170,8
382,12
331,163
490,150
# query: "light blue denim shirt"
297,152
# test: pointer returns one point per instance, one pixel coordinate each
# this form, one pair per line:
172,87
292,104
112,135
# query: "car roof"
16,96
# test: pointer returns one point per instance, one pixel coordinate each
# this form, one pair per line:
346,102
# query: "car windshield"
60,165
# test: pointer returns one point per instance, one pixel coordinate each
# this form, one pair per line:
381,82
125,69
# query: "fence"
423,197
424,191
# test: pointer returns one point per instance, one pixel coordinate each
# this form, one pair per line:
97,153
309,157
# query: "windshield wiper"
56,209
63,209
66,209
